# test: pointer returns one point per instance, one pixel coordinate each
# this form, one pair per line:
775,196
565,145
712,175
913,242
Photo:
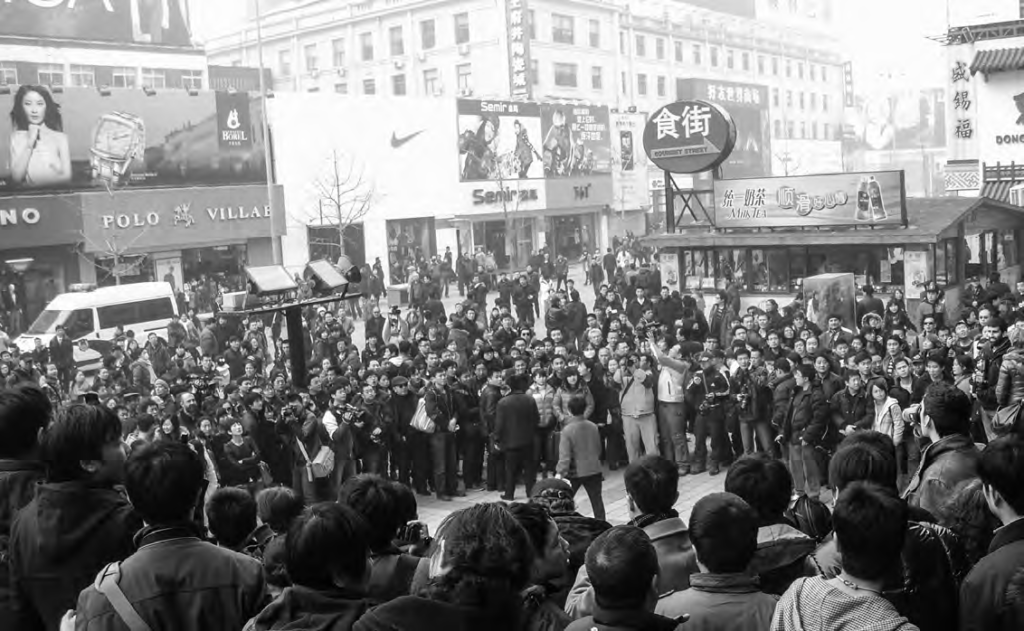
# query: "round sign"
689,136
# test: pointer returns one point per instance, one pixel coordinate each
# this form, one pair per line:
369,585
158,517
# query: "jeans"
712,422
804,468
519,460
312,490
401,461
442,452
419,452
763,432
545,448
613,443
343,470
672,430
495,468
592,484
473,441
641,435
371,461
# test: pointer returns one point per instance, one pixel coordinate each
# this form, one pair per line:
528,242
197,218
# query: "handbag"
1006,417
420,421
321,465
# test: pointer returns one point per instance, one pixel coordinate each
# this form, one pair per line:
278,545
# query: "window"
310,57
824,102
803,129
775,66
284,62
596,81
397,41
746,62
624,83
802,101
192,79
714,56
697,54
775,97
824,74
730,59
562,28
595,34
760,64
51,74
461,28
641,84
565,75
790,126
531,21
431,82
464,77
398,85
341,88
84,77
8,73
814,130
789,98
369,86
661,86
622,42
366,46
338,52
79,323
535,71
641,46
678,46
428,34
659,48
812,72
800,70
124,78
826,131
777,128
157,309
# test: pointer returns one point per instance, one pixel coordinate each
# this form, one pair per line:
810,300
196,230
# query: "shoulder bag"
321,465
106,584
420,421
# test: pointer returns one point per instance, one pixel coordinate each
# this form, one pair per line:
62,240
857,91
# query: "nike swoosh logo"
397,142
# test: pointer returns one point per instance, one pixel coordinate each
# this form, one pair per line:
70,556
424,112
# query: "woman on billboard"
39,147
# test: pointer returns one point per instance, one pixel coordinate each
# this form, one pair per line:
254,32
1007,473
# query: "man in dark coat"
77,523
62,354
515,425
869,304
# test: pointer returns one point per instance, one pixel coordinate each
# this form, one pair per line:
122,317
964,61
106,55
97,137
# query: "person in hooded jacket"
24,411
579,531
481,563
1010,384
77,522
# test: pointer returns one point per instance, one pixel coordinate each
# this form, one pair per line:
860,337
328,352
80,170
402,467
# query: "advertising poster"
81,140
668,263
841,199
499,140
747,104
576,140
629,161
916,273
162,22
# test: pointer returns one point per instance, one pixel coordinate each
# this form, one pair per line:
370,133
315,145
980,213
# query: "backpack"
811,517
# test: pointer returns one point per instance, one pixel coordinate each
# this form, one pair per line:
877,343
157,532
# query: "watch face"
113,138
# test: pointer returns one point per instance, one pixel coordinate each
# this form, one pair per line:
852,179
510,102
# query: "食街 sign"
518,48
841,199
689,136
161,22
167,218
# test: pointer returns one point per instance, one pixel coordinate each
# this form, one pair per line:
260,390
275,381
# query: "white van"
92,314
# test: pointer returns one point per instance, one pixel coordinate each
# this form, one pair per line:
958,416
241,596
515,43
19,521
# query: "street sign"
689,136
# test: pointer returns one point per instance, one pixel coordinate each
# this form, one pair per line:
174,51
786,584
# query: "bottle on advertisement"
878,212
863,201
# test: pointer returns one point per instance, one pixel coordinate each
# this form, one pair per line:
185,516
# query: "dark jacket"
847,409
60,541
924,588
808,417
579,532
624,620
311,610
983,595
413,613
721,601
945,465
1010,383
177,581
993,359
18,480
440,407
516,421
782,557
62,352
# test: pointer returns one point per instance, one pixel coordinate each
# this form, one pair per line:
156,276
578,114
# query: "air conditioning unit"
466,92
399,64
341,72
1017,195
463,49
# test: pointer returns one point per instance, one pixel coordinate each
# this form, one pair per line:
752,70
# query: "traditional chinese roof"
930,219
999,191
998,60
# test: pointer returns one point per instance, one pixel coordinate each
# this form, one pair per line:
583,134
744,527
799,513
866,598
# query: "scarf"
648,519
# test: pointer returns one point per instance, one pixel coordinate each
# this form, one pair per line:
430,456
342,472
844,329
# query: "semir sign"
504,195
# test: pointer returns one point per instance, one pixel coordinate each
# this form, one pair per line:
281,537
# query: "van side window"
156,309
135,312
79,323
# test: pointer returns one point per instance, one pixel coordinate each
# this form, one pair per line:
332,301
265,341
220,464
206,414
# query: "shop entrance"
571,235
489,236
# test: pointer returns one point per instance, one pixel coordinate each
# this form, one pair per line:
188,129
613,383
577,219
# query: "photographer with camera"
395,328
637,405
709,391
309,436
674,374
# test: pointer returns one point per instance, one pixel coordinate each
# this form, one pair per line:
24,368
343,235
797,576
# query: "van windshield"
46,321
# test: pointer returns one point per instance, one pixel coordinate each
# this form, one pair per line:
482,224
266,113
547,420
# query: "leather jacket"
1010,384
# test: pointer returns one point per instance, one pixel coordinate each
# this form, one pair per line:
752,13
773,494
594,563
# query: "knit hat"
552,489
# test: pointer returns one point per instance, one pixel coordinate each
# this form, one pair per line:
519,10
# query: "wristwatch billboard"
119,138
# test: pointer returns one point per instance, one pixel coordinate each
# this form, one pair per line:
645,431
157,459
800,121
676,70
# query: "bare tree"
112,249
344,197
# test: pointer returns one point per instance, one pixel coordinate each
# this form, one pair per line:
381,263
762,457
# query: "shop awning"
930,220
998,60
999,191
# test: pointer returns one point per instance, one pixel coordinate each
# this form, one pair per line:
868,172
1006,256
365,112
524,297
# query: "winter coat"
984,596
808,418
18,480
516,421
415,613
311,610
813,603
946,465
888,419
545,398
851,409
1010,384
208,342
579,449
720,601
783,555
579,532
561,402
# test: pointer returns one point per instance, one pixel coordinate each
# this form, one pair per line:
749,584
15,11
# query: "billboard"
747,104
1000,134
629,161
576,140
499,140
841,199
80,139
899,120
159,22
976,12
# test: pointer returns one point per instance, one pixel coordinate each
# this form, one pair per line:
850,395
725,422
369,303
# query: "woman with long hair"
39,147
481,562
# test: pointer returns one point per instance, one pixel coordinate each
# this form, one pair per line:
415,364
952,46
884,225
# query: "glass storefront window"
797,267
1007,249
778,271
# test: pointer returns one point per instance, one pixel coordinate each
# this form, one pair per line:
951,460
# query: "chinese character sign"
747,104
518,17
689,136
841,199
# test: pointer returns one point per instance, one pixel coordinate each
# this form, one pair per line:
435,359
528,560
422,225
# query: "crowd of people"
874,470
